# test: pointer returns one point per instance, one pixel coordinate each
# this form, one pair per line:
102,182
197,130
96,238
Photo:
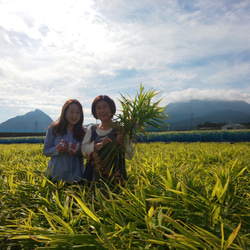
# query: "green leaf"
232,236
51,216
87,210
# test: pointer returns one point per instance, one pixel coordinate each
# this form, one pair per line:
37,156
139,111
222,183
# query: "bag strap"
93,132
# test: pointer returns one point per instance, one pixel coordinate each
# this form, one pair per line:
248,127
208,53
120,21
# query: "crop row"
198,136
169,136
178,196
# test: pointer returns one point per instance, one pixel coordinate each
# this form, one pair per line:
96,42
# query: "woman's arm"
87,146
130,151
129,148
49,148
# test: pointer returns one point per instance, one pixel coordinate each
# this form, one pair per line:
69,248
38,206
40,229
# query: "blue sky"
54,50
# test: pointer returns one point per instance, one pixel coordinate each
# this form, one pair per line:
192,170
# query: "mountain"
34,121
182,116
187,115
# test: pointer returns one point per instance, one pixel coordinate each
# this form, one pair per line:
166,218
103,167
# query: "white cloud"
229,75
55,50
205,94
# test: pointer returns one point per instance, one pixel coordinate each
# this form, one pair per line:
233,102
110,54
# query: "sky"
55,50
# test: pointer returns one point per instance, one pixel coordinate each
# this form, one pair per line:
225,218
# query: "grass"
167,136
178,196
28,139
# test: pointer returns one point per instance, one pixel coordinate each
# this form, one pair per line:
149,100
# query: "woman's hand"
120,139
62,147
105,141
73,148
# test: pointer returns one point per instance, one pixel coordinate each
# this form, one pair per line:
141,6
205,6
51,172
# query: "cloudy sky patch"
52,51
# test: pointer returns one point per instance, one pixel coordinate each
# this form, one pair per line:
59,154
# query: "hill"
34,121
182,116
187,115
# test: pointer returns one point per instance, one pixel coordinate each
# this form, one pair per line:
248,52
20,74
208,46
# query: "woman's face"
73,114
103,111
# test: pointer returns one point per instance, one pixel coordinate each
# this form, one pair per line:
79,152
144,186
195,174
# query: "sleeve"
49,148
129,149
87,145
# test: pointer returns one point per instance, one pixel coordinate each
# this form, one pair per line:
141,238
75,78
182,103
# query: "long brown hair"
61,124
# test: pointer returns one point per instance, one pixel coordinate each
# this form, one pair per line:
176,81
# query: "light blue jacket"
63,166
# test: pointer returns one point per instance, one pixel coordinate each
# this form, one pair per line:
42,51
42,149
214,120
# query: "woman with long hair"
63,144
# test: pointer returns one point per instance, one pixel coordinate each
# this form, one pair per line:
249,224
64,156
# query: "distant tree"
207,124
210,125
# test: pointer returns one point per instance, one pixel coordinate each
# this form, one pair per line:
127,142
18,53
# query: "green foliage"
140,113
197,136
166,136
28,139
178,196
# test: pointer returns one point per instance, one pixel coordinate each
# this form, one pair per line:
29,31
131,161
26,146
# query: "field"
178,196
166,136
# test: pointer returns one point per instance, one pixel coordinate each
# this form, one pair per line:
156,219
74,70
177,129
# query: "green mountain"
34,121
182,116
187,115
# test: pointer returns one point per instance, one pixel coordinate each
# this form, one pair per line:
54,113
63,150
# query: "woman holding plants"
106,148
62,144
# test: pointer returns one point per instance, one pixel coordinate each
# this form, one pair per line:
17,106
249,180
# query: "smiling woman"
97,141
62,144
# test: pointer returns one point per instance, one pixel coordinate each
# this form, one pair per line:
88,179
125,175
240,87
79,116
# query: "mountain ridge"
182,116
33,121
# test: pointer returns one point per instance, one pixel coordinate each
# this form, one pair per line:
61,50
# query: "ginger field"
178,196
